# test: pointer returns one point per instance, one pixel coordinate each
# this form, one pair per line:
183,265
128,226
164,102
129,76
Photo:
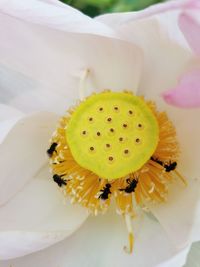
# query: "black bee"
131,186
52,149
168,167
105,192
59,180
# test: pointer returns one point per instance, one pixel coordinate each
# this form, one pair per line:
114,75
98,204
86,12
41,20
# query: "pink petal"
191,31
187,93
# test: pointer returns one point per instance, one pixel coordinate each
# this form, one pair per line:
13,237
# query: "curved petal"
156,31
191,30
54,15
187,93
8,117
118,19
29,95
178,260
8,112
164,59
37,218
99,242
50,74
180,215
23,152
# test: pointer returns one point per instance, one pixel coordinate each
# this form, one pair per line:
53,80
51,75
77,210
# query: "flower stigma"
115,145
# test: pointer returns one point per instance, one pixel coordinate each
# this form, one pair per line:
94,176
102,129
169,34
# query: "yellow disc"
112,134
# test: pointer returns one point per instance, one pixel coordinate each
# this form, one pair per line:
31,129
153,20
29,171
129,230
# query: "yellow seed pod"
112,134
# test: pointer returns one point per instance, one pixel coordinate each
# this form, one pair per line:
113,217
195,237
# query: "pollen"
115,145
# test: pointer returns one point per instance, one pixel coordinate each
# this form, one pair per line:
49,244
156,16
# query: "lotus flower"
52,56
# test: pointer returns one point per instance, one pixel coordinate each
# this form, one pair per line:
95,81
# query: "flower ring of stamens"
137,159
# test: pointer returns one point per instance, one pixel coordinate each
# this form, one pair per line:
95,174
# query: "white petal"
54,15
164,59
180,216
50,74
8,112
156,31
99,242
29,95
37,218
178,260
8,117
23,152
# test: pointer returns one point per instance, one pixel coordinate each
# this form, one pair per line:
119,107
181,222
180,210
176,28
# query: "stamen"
152,188
128,221
181,177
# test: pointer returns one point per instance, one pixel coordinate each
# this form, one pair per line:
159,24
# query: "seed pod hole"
138,141
126,152
111,159
140,126
84,133
116,109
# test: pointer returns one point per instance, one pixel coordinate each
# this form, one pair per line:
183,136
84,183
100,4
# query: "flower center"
112,134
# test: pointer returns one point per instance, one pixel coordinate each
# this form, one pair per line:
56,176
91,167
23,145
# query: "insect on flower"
131,185
59,180
171,166
52,149
105,192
